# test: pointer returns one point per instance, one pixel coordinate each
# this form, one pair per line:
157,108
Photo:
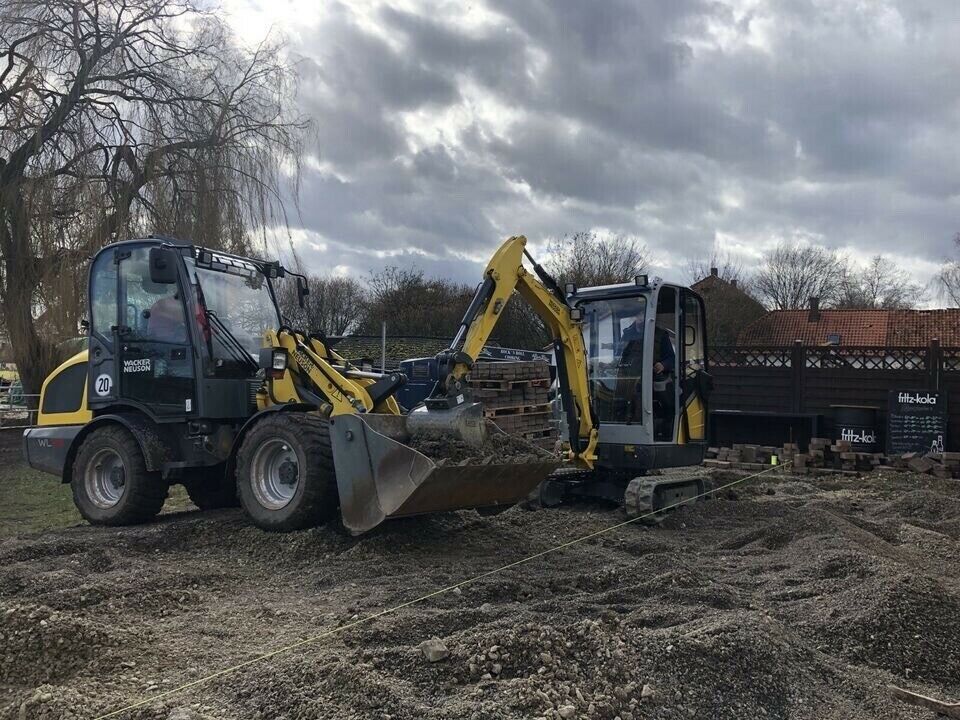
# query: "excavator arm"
504,274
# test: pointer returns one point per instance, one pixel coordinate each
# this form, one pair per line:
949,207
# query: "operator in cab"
664,356
664,364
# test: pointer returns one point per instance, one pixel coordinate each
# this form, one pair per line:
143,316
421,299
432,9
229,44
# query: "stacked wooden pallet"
825,456
515,395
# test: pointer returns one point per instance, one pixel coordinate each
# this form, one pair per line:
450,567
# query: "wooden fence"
810,379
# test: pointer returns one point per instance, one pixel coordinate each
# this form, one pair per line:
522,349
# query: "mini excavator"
192,376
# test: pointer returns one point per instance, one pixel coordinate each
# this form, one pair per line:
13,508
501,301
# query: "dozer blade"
380,477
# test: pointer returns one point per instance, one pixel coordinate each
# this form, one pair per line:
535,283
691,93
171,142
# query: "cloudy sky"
443,127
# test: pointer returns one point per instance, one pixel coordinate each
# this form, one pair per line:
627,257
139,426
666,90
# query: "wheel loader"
192,376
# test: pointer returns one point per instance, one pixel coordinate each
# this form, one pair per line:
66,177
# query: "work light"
274,361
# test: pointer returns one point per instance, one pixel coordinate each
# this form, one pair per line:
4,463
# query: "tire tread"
320,499
145,491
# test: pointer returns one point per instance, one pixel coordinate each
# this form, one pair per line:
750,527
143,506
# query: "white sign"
103,385
136,366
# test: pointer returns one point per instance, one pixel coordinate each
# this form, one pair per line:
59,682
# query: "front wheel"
285,473
111,484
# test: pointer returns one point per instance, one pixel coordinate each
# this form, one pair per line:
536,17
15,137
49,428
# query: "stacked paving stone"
824,456
515,396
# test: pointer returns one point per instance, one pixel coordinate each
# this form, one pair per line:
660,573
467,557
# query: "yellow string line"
368,618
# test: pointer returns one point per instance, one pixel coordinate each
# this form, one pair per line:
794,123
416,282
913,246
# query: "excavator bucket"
380,476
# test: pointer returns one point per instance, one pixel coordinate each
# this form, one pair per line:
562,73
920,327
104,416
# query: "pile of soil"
789,597
499,448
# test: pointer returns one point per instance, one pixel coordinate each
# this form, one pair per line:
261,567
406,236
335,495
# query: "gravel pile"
786,598
500,448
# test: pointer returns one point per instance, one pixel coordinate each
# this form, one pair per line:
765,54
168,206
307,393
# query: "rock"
567,712
648,692
182,713
434,649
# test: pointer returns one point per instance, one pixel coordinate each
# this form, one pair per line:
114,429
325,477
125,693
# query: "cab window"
103,294
613,334
153,311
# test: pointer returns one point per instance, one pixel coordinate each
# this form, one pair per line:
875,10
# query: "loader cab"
174,330
646,355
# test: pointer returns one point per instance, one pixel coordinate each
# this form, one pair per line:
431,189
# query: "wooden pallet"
538,434
517,410
509,384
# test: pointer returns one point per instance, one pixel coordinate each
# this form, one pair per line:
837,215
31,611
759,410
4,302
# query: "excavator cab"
645,345
646,362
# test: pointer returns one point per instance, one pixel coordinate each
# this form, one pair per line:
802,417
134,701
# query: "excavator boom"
504,275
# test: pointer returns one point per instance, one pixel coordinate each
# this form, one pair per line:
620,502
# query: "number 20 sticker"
103,385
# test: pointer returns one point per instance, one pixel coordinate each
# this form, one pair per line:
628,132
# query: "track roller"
653,498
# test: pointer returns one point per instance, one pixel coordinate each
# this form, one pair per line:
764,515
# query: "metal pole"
383,347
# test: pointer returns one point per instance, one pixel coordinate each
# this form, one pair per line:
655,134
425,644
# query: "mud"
499,448
800,598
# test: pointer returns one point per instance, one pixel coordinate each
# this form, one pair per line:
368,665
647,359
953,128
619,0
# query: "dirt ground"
787,597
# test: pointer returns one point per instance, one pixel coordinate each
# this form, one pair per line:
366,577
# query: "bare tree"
587,259
729,268
948,279
120,115
791,274
334,306
413,304
881,285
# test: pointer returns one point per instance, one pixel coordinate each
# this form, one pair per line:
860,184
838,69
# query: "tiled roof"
918,327
872,328
359,347
714,285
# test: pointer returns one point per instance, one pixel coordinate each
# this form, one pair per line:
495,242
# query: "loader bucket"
380,477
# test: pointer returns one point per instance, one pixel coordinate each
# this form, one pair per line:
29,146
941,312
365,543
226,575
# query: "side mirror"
163,266
689,335
302,291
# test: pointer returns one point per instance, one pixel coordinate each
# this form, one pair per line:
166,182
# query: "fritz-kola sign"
916,398
858,437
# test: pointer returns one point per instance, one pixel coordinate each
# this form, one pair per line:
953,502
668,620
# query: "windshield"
613,334
240,304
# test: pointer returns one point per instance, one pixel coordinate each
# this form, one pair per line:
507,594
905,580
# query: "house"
856,328
729,308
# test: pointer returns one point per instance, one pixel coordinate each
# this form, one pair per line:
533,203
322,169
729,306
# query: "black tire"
139,493
307,471
210,489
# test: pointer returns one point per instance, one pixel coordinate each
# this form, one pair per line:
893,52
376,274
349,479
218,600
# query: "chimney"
733,283
714,271
814,310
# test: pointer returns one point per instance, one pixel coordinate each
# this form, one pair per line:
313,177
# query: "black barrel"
857,424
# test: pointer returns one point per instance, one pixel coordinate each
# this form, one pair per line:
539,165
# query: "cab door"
692,371
155,358
102,377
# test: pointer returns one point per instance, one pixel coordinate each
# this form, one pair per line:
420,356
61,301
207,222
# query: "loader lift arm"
504,274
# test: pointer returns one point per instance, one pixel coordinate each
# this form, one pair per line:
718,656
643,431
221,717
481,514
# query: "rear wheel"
111,484
285,473
210,489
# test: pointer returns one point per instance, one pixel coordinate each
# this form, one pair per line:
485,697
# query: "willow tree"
121,117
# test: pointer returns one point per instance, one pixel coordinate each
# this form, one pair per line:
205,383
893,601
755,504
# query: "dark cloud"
679,122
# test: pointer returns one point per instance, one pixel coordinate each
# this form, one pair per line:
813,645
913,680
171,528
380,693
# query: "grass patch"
32,501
